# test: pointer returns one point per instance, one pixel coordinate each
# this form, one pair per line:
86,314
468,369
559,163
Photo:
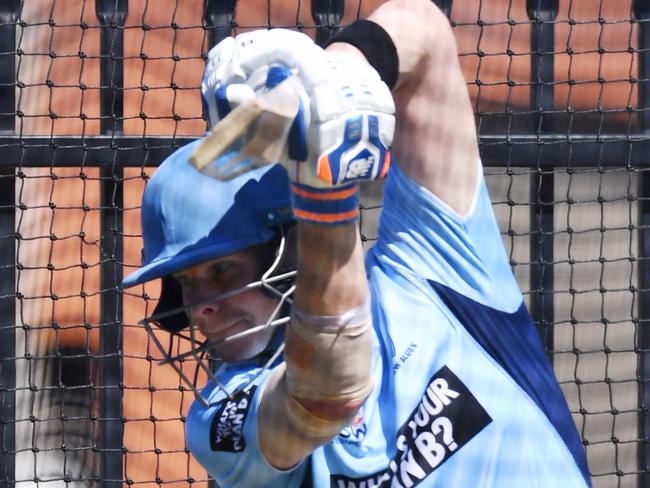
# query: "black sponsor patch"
227,429
447,417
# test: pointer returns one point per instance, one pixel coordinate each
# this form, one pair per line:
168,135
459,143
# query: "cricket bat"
254,134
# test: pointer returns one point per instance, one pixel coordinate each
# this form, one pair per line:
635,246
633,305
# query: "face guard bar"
202,351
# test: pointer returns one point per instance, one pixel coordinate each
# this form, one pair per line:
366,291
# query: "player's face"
218,319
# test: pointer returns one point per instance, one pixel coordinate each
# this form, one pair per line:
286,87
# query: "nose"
206,317
205,311
200,306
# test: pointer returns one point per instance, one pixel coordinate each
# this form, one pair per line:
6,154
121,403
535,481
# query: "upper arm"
435,137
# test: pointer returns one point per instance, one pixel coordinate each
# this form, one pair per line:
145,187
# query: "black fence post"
542,13
642,14
327,14
9,13
218,18
112,16
444,5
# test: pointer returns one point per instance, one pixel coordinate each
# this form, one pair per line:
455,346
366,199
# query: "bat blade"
252,135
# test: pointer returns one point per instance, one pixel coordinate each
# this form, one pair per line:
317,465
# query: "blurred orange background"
162,70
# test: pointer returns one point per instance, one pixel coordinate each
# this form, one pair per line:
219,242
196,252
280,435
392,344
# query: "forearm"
331,274
327,347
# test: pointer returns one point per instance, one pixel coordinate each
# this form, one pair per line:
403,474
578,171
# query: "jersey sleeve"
223,438
419,234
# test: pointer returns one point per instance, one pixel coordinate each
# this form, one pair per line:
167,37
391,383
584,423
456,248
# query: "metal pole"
327,14
444,5
9,12
642,14
218,18
112,16
542,13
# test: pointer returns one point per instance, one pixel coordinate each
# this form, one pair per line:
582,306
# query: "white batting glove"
238,67
345,123
352,124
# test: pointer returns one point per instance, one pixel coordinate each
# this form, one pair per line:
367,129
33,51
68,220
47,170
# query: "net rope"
565,212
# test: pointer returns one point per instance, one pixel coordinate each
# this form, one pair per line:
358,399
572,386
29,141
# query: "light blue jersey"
464,394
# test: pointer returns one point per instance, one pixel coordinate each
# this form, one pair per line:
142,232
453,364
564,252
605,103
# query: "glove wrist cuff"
376,45
325,206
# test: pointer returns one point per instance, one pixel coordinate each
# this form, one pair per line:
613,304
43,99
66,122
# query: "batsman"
414,365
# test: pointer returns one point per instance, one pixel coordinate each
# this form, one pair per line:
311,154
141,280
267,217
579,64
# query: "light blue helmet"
189,218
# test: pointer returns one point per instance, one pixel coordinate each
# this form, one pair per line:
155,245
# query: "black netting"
90,104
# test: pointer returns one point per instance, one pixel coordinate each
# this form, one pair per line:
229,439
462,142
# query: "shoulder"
223,438
222,423
215,423
420,237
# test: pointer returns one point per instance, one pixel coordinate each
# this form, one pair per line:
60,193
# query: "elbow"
328,374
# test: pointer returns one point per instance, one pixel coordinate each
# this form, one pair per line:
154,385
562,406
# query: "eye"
225,273
222,267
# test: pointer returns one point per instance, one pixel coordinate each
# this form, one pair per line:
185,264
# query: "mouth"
224,333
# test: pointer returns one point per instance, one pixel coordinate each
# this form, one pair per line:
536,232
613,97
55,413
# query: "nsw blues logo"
355,432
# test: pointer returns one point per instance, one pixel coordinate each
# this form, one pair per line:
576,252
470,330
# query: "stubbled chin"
241,349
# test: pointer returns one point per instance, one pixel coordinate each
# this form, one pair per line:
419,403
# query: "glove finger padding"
291,49
248,58
219,61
